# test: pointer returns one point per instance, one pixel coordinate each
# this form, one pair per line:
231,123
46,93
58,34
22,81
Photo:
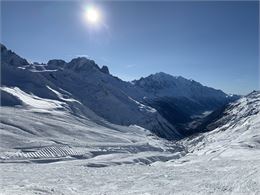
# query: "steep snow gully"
73,128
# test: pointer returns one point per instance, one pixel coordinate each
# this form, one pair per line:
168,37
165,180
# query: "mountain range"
171,107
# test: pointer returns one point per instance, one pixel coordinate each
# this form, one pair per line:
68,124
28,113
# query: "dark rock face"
11,58
82,64
3,48
104,69
56,64
9,100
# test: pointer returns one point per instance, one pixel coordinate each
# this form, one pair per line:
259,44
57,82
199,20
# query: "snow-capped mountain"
181,100
160,102
165,85
81,79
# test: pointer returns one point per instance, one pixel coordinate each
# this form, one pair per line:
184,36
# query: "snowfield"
225,176
78,156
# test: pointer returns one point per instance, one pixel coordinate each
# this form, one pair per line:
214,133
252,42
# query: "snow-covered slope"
223,161
161,103
236,132
92,87
46,130
182,100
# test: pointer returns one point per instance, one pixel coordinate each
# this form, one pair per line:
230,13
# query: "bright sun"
92,15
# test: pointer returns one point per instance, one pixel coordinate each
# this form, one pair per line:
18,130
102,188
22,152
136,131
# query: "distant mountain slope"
179,99
160,83
234,133
93,87
234,114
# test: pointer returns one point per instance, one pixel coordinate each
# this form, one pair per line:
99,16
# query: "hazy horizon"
214,43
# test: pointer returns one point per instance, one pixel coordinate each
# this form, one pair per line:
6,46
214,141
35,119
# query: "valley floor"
184,176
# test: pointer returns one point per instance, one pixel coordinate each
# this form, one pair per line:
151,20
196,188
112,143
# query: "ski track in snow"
216,177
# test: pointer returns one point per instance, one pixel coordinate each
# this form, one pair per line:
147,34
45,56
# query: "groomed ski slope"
44,130
189,176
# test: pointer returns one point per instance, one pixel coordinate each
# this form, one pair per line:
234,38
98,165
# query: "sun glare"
92,15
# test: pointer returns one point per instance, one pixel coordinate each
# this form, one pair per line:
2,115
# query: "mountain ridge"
106,94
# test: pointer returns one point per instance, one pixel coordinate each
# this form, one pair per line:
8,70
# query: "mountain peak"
163,84
160,80
3,48
104,69
254,94
56,63
82,64
11,58
160,75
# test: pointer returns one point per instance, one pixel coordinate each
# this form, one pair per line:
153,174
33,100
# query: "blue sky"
215,43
